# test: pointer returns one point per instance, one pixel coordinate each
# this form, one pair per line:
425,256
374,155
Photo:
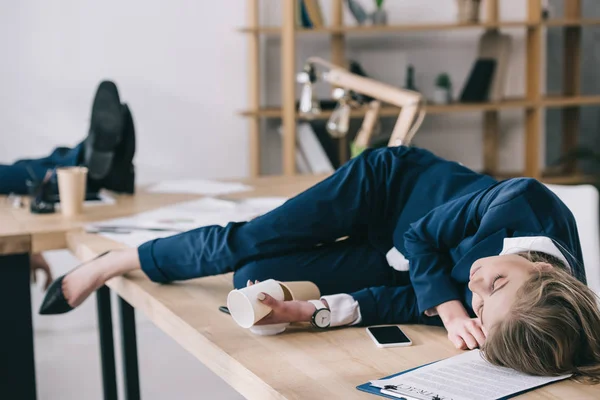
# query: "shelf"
388,111
276,30
557,101
572,22
557,179
578,179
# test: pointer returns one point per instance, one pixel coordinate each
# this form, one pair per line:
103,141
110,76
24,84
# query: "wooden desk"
23,233
298,364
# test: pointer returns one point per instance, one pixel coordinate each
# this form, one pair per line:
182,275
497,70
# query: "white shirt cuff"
344,309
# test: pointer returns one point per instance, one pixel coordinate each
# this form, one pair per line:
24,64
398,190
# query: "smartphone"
388,336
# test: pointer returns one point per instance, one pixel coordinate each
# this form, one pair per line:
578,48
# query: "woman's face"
495,281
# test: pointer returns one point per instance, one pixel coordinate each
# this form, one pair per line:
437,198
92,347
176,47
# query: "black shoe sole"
106,130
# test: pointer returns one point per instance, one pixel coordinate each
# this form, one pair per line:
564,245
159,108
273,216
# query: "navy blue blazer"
453,217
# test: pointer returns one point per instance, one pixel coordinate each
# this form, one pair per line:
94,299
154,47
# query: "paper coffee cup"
71,189
244,306
300,290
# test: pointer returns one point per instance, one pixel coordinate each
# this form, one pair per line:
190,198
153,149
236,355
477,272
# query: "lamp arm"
410,102
338,76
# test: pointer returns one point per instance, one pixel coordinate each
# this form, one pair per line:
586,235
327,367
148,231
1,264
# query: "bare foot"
90,276
83,281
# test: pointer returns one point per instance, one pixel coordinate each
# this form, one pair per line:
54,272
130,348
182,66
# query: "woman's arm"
427,247
486,219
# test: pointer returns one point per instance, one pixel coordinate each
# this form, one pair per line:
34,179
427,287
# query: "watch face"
323,318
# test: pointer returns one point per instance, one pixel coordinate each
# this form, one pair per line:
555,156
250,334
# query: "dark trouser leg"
342,205
17,366
13,177
341,267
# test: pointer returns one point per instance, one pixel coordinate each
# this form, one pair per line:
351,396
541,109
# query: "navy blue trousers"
298,241
13,177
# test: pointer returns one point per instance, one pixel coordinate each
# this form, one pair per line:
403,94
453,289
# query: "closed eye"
492,290
493,285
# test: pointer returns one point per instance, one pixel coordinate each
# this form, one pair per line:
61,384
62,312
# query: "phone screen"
388,334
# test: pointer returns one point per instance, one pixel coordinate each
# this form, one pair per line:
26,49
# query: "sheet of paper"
464,377
136,238
198,186
166,221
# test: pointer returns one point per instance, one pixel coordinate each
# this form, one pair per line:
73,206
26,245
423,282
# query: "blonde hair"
553,327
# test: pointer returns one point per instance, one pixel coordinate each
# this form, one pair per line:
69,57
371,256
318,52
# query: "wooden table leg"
129,351
17,364
107,346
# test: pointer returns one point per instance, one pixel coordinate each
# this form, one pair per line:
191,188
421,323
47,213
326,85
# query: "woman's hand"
285,311
463,331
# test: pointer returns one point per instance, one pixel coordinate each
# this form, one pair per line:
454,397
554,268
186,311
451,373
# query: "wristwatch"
321,318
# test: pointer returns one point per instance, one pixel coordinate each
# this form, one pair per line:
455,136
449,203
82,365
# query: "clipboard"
368,388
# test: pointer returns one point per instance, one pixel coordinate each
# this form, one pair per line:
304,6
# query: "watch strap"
317,303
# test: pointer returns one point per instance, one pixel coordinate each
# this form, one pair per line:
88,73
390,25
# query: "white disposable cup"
244,306
71,189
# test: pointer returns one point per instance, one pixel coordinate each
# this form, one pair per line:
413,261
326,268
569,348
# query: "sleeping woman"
401,236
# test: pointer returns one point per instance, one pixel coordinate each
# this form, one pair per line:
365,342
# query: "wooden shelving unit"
389,111
275,30
532,104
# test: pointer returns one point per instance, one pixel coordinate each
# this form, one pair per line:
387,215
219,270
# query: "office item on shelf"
310,156
306,22
309,107
379,16
443,89
410,79
298,14
329,144
411,111
365,133
477,88
313,152
546,10
339,122
301,164
313,9
494,45
198,186
357,11
463,377
468,11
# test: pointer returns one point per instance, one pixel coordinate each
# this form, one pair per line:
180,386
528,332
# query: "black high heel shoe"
54,301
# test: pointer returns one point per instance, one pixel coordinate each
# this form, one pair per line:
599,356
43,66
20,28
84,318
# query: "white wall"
178,63
181,66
